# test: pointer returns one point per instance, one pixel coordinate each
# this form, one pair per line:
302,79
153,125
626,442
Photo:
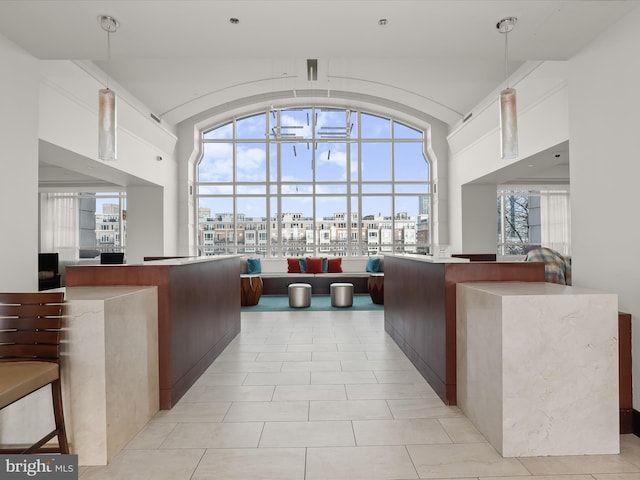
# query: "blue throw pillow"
254,266
325,264
373,264
303,265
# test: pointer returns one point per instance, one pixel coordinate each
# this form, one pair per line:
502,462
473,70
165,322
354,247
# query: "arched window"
311,180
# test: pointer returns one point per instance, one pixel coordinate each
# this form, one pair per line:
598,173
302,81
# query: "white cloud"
251,163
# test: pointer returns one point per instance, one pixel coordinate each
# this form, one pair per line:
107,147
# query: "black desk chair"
48,271
112,258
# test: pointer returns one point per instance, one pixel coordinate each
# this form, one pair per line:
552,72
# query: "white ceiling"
173,55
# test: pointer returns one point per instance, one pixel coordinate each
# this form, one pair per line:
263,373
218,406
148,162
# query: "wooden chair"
30,326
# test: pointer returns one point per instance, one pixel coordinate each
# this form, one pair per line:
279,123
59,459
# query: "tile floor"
327,395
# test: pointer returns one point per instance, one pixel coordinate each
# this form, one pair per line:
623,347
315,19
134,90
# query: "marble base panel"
109,374
537,367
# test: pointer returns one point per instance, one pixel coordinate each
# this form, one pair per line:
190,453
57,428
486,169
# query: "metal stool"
299,295
341,294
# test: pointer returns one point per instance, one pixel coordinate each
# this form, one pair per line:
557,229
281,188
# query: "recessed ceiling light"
382,22
234,20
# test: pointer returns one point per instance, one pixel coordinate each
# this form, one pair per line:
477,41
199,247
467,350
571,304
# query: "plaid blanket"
557,268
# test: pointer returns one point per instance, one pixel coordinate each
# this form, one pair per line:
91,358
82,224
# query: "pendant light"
508,111
107,114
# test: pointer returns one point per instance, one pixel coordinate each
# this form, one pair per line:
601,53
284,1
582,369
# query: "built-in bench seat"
276,279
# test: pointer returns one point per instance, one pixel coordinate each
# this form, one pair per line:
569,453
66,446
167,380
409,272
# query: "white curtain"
555,219
59,231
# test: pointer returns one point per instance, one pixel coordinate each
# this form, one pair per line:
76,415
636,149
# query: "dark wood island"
420,308
198,311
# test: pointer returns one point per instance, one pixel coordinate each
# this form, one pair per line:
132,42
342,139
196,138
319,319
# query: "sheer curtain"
59,230
555,217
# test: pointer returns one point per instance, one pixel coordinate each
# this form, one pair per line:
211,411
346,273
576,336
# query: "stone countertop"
530,288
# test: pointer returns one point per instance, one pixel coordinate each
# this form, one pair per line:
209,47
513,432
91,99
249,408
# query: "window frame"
352,188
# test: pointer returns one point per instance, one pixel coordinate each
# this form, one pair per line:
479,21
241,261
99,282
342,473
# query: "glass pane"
412,188
353,150
331,208
401,130
332,227
330,188
252,219
251,162
101,222
296,162
217,163
516,218
334,124
273,162
297,215
373,126
423,225
294,123
376,223
254,127
274,235
405,220
376,161
251,190
376,188
222,132
215,190
216,234
331,162
409,162
354,235
297,189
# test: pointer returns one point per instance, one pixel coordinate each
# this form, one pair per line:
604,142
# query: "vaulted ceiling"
183,57
180,57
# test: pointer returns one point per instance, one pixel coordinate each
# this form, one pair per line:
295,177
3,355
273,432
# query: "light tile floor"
327,395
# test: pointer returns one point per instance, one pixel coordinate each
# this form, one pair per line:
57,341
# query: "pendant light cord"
506,57
108,54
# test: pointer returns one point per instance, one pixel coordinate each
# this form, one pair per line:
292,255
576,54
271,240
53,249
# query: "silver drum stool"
299,295
341,294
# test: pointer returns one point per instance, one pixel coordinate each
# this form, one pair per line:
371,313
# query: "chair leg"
56,393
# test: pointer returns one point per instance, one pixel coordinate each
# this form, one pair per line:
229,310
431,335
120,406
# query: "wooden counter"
198,311
420,308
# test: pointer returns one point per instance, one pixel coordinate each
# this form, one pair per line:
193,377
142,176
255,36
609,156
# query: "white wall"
475,148
604,100
18,169
595,106
145,224
68,119
479,218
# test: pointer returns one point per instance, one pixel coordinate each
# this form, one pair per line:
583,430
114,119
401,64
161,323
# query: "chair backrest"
48,262
112,258
30,326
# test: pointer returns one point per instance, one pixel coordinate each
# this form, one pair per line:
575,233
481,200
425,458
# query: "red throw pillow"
314,265
335,265
293,265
